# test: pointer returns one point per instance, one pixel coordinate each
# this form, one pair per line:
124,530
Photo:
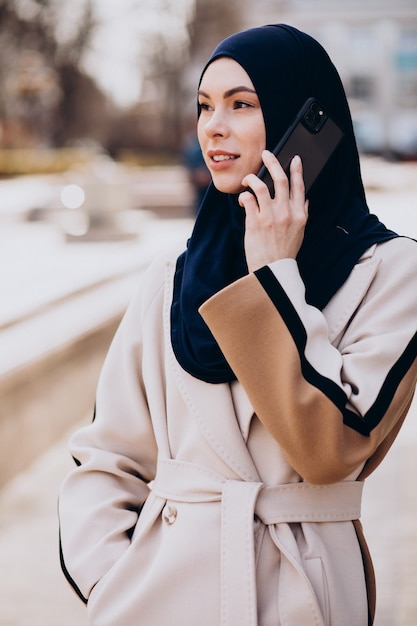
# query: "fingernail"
297,160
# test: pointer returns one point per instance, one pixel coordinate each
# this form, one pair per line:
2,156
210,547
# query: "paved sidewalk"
33,591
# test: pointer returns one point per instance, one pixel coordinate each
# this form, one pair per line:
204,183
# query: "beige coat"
236,529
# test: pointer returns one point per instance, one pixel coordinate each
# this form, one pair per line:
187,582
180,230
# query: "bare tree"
183,34
39,71
212,22
163,55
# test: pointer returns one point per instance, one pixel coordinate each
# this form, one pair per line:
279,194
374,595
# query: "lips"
222,157
218,156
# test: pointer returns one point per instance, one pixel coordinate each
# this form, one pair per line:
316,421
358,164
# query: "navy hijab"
286,67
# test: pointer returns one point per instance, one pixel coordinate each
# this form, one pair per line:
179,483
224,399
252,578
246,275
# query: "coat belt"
277,507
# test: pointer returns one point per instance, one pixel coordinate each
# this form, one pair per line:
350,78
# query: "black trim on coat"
391,383
362,424
67,574
298,332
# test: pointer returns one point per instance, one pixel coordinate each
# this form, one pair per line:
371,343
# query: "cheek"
258,132
201,136
200,133
260,136
259,144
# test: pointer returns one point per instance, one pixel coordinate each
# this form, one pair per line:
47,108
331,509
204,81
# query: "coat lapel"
243,408
344,303
212,406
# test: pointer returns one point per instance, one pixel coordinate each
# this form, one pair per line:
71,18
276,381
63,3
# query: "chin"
227,186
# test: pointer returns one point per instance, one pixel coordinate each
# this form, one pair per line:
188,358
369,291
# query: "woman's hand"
274,226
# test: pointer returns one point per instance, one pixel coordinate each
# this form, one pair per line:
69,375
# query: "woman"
253,383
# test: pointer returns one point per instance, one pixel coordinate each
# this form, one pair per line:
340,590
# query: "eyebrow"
230,92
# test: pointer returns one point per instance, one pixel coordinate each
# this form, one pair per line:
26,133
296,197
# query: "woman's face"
231,128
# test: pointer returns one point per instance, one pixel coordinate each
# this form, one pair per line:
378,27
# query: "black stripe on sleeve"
296,328
391,383
356,422
362,424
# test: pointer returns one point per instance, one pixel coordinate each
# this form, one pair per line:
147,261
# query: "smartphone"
314,136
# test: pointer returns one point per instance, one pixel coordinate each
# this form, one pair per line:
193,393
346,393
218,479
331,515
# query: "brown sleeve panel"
306,423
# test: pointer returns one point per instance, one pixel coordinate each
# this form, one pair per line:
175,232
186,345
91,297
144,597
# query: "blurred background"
122,76
99,172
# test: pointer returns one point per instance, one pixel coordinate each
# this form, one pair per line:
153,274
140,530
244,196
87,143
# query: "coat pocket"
169,571
149,514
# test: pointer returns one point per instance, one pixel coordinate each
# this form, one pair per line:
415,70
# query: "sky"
114,58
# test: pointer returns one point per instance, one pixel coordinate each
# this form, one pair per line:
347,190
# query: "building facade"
373,43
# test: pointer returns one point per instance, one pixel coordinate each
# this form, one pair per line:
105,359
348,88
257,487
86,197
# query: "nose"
216,125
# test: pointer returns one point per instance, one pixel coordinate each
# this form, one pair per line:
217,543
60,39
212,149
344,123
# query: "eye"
241,104
204,106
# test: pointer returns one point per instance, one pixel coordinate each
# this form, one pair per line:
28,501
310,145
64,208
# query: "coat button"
169,514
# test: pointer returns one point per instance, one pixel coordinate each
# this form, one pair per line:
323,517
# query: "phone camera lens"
315,117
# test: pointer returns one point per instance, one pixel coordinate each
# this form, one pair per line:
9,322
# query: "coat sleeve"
330,409
100,500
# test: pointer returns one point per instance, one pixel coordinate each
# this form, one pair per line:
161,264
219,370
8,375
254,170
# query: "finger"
247,199
257,187
253,183
276,170
297,187
249,203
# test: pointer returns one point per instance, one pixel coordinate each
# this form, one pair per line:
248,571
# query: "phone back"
314,149
314,136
